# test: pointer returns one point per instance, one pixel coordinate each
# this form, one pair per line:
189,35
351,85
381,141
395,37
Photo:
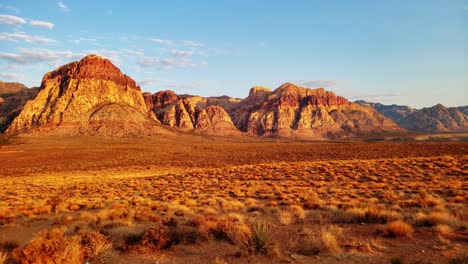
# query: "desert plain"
208,199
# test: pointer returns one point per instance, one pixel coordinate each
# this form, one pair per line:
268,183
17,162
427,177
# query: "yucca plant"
259,237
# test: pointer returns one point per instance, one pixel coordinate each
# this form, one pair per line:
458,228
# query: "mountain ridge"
92,96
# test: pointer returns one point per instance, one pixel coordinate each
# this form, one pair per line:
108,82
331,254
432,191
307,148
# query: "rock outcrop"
81,97
437,118
290,110
193,113
13,97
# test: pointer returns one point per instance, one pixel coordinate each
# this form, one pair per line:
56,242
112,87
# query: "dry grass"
212,195
399,229
323,238
3,257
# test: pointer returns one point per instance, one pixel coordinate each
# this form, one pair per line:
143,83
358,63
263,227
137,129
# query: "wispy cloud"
39,23
376,96
165,42
317,83
80,40
10,8
30,56
181,53
166,63
192,43
25,38
10,76
162,84
62,6
135,53
12,20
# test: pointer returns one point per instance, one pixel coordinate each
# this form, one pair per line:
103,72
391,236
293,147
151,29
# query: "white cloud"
165,42
181,53
370,97
166,63
193,44
79,40
30,56
39,23
12,20
163,84
10,76
318,83
11,8
25,38
62,6
136,53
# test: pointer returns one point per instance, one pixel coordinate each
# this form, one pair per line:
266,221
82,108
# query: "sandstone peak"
92,67
257,90
80,96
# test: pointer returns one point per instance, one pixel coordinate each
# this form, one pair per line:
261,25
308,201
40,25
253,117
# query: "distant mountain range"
437,118
92,96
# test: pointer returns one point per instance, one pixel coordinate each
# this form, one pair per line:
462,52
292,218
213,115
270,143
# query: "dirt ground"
321,202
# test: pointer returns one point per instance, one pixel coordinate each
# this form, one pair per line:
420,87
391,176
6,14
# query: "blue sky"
411,52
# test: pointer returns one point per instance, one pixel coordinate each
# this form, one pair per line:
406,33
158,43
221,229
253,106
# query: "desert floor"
193,199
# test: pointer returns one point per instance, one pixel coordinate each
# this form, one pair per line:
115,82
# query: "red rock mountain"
13,97
290,110
87,97
92,96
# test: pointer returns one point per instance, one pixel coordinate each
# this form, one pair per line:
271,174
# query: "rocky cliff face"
13,97
288,111
193,113
292,110
74,98
437,118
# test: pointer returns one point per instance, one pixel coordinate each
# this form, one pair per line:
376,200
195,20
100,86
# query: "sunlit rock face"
72,97
293,110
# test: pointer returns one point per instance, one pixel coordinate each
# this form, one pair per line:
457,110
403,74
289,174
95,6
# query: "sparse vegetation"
259,237
399,228
315,206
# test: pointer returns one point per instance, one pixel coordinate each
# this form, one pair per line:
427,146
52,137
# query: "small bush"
158,238
321,239
54,246
463,259
285,218
399,228
3,257
259,237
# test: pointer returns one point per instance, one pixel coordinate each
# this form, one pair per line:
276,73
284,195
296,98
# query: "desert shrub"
298,212
434,218
51,246
399,228
3,257
94,244
158,237
285,217
323,238
218,260
259,237
186,235
463,259
443,229
54,246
